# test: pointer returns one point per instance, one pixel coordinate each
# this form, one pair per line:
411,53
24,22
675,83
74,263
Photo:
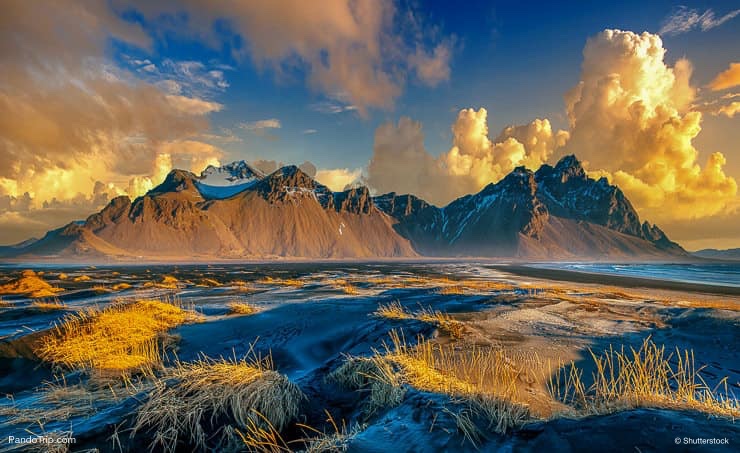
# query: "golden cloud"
351,50
631,118
400,162
728,78
338,179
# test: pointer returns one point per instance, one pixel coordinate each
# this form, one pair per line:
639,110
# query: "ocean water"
724,274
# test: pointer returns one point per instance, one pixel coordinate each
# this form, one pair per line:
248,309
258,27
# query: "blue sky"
515,59
400,95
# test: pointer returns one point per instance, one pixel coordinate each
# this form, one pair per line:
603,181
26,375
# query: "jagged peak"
569,161
175,181
235,171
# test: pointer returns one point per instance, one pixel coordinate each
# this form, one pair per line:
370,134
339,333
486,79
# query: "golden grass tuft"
394,310
336,441
452,290
209,282
167,282
31,284
626,379
237,307
82,278
203,404
49,305
117,340
121,286
483,379
293,282
348,288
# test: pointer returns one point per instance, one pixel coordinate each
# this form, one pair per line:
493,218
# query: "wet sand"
617,280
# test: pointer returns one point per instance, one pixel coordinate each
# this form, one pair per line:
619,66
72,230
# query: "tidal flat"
445,356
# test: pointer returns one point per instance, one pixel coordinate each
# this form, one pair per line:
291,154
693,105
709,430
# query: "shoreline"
617,280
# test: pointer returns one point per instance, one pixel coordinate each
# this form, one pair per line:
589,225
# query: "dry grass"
58,401
336,441
49,305
293,282
119,339
5,303
452,290
237,307
82,278
31,284
121,286
203,404
625,379
482,379
394,310
346,287
167,282
209,282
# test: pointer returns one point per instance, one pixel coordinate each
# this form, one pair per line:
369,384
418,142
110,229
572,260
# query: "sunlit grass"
238,307
646,377
121,286
481,378
293,282
394,310
31,284
119,339
204,403
167,282
49,305
82,278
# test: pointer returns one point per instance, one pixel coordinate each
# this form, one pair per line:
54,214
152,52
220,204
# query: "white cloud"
359,52
684,20
259,127
331,107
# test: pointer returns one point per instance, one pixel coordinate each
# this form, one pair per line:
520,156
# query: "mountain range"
235,211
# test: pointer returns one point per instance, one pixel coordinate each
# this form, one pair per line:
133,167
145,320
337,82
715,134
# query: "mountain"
235,211
714,254
556,212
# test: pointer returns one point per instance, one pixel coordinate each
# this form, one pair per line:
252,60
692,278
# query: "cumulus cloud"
338,179
353,51
728,78
729,110
401,163
631,118
683,20
72,117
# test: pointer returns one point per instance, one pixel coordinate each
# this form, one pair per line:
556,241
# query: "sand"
309,325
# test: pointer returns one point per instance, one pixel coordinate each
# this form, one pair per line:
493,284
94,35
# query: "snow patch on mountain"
227,180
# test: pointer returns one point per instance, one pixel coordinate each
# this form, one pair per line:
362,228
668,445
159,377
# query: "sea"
723,274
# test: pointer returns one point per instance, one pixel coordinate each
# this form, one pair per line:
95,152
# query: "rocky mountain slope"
555,212
235,211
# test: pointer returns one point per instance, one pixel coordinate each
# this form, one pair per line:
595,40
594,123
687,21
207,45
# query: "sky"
104,98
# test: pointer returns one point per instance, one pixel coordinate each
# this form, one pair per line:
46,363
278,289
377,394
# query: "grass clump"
646,377
237,307
49,305
121,286
292,282
119,339
31,284
82,278
394,310
207,403
167,282
483,380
